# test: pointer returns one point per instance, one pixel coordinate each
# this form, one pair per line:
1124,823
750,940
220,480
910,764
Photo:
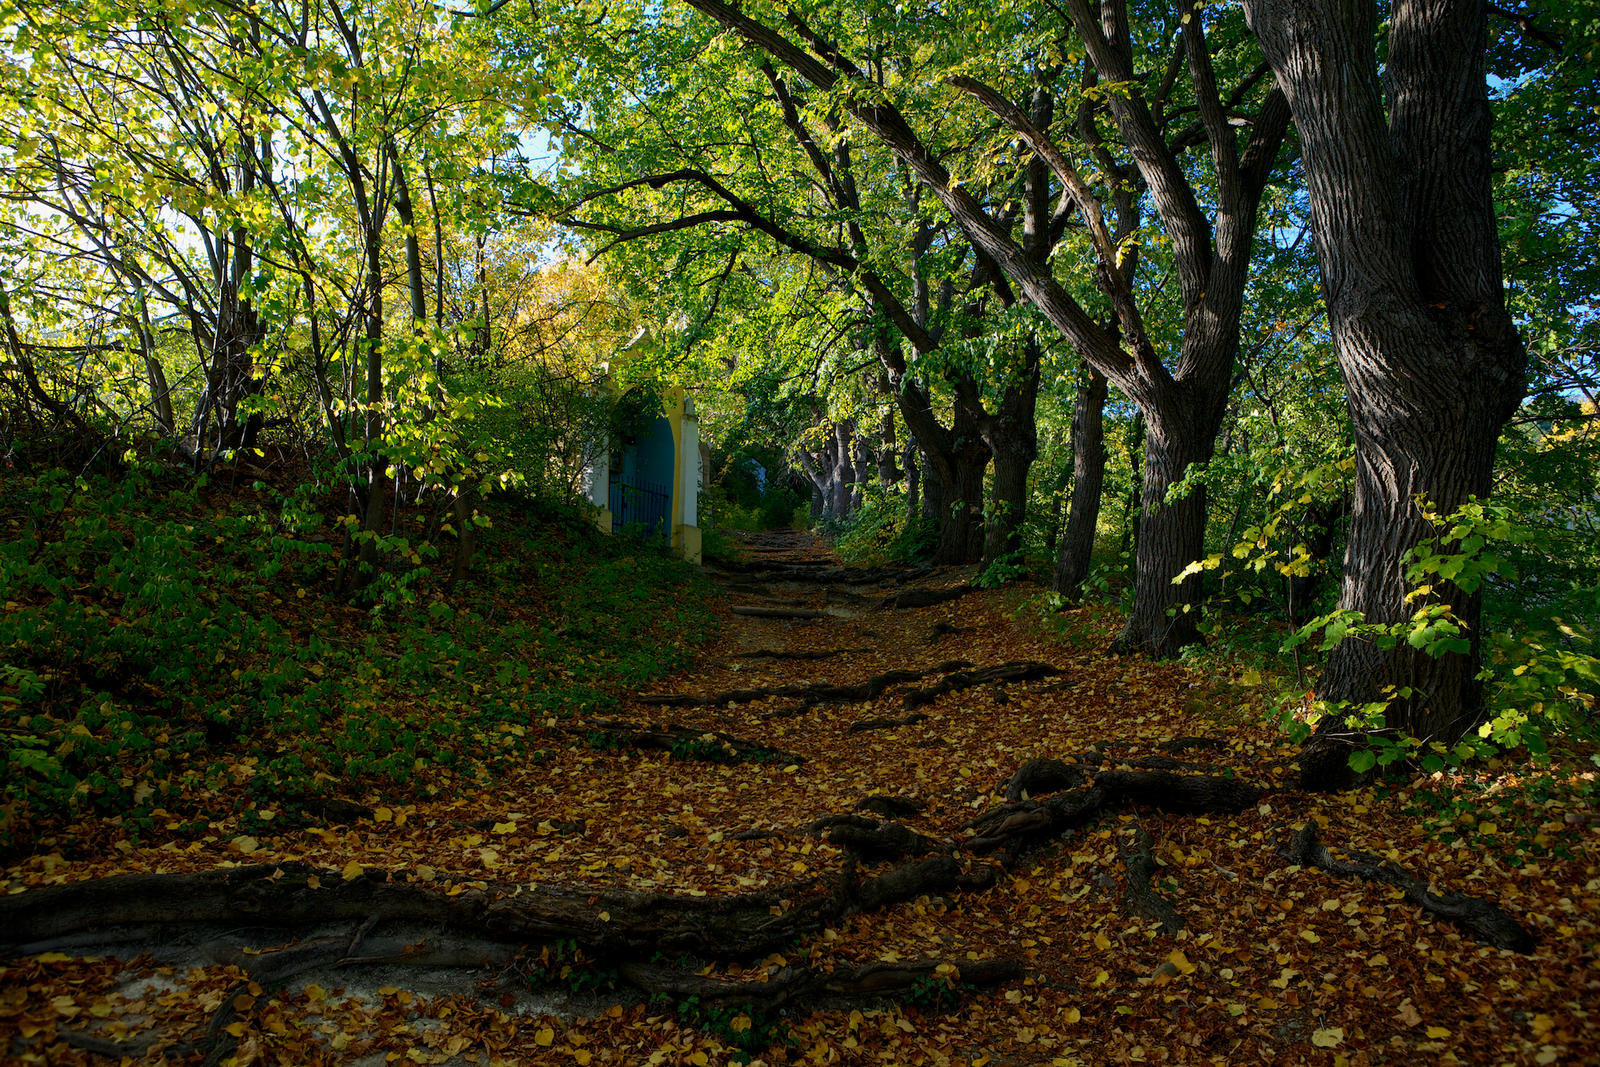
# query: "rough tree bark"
1211,251
1433,365
1088,480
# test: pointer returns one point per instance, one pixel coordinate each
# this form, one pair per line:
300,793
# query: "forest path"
852,814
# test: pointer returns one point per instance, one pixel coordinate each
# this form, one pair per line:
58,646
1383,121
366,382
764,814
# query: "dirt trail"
850,836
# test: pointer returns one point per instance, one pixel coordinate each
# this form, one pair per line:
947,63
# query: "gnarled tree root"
1026,823
923,598
809,694
610,923
758,612
807,983
684,742
1139,860
1487,923
1025,671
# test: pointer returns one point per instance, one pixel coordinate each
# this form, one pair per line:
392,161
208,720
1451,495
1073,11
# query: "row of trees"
919,249
221,220
964,202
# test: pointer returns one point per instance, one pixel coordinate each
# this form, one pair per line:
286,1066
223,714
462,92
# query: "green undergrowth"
166,645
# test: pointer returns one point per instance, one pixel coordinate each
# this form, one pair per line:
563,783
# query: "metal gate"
640,508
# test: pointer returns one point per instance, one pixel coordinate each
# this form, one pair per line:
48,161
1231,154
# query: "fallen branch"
1489,924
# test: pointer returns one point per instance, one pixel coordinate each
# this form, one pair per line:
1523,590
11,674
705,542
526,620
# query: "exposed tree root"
1005,672
1043,775
1139,861
874,840
887,723
922,598
1024,824
796,983
816,573
891,807
683,742
797,614
810,694
782,653
607,923
1489,924
945,629
1184,744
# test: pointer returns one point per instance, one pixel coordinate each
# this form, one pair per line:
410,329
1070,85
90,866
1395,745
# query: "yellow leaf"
313,882
582,1057
1327,1038
1071,1015
698,1058
739,1023
906,1025
1310,935
1102,942
1438,1031
545,1037
352,871
246,844
504,828
236,1029
53,957
383,815
1180,961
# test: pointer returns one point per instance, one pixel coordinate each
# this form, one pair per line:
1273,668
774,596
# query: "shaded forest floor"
792,773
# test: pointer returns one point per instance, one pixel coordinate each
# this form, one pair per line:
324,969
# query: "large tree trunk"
1013,439
1166,615
1433,366
1088,480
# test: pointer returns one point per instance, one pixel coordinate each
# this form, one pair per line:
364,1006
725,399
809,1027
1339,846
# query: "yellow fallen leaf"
352,871
1327,1038
383,815
1102,942
246,844
1180,961
1438,1031
504,827
1071,1015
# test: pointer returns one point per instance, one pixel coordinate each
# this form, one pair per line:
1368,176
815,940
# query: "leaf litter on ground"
1273,962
